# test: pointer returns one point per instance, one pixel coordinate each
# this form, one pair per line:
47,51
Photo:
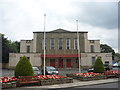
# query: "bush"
99,67
24,68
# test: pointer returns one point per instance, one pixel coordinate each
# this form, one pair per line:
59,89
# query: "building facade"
61,49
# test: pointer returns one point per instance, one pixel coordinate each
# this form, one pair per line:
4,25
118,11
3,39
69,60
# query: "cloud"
21,17
102,14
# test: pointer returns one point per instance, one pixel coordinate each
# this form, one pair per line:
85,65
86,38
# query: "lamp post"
44,41
78,47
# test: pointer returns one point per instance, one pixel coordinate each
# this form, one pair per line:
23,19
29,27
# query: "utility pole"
78,48
44,40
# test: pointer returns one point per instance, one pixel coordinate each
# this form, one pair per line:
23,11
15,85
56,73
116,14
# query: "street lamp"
44,41
78,47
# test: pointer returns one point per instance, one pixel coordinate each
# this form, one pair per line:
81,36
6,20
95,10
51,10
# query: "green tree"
15,47
99,67
24,68
107,49
8,47
117,57
5,49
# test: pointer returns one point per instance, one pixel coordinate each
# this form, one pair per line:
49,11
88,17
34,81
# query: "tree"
8,47
15,47
24,68
117,57
107,49
98,67
5,50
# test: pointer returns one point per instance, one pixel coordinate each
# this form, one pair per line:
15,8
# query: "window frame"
92,48
75,43
68,42
52,44
28,48
60,43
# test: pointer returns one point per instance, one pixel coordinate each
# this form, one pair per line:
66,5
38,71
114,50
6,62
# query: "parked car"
107,67
91,70
49,70
36,71
117,65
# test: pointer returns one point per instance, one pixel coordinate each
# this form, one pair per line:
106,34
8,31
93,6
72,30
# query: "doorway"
68,63
60,63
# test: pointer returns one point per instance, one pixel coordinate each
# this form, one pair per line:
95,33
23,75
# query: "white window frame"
28,48
51,43
75,42
59,43
93,60
92,48
68,42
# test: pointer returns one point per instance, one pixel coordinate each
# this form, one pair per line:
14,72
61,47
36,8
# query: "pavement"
76,83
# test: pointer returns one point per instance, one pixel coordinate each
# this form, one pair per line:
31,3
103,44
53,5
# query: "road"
62,72
108,86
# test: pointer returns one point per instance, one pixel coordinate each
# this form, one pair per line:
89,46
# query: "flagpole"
78,47
44,41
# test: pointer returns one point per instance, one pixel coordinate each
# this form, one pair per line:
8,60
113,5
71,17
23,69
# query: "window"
60,43
68,62
27,58
92,48
52,43
20,57
93,60
75,43
28,49
68,43
106,63
76,60
43,43
52,62
28,41
91,41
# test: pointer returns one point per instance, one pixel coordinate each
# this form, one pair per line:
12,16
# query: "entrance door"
68,63
52,62
60,63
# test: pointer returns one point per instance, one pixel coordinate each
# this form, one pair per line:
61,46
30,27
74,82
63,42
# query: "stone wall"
34,58
56,36
85,62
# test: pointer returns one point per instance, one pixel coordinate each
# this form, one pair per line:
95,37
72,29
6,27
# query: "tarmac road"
107,85
62,72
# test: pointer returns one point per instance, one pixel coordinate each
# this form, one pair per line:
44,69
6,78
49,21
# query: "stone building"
61,50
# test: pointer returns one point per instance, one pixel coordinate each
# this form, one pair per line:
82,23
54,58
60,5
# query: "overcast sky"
19,18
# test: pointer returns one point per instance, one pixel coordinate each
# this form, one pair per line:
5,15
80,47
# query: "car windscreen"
51,68
35,69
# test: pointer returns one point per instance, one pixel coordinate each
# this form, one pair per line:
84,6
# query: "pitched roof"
61,31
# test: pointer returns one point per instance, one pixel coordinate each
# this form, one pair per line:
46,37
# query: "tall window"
68,43
93,60
52,42
43,43
75,43
92,48
28,49
60,43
